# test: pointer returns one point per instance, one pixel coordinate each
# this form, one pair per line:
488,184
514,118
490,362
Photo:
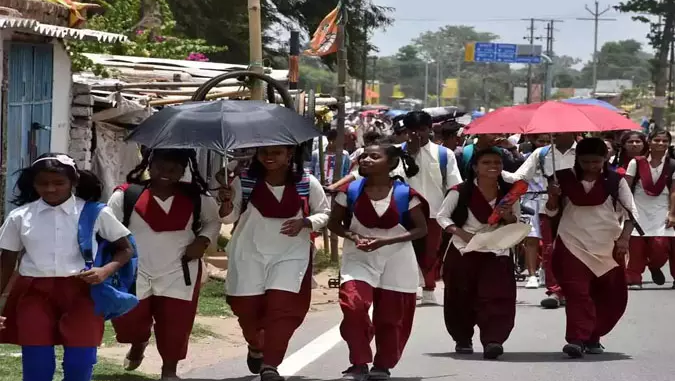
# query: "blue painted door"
29,112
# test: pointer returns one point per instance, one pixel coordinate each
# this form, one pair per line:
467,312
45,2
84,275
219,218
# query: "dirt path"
226,341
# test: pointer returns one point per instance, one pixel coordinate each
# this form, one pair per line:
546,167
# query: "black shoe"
356,373
551,302
464,348
657,277
254,360
379,374
270,374
594,348
673,286
575,351
492,351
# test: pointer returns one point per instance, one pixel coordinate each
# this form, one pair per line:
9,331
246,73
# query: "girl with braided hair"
173,222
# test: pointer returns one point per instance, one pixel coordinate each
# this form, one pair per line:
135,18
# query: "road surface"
640,348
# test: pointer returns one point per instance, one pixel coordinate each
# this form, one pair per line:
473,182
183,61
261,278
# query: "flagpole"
342,95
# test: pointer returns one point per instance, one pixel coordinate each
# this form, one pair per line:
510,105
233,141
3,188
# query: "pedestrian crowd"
412,201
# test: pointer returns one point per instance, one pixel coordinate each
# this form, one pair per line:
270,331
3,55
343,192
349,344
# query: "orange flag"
324,41
76,18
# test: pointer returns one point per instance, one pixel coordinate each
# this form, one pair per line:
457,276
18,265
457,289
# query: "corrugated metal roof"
35,27
198,71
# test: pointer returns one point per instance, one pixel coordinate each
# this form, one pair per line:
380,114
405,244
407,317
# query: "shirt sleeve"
632,168
528,169
452,173
341,199
116,204
109,227
318,205
626,197
447,208
10,234
236,203
209,218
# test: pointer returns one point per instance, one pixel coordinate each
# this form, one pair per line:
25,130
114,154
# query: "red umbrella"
550,117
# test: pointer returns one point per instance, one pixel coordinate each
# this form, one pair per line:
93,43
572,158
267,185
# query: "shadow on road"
535,357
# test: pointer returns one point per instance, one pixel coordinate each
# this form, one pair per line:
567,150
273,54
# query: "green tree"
620,60
150,27
661,34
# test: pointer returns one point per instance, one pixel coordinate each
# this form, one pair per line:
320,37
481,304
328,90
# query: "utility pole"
341,116
529,66
596,19
531,38
548,74
426,82
255,47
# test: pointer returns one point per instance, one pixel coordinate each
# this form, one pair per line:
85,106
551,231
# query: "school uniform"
386,278
532,170
163,230
49,305
583,262
269,274
429,184
480,288
652,199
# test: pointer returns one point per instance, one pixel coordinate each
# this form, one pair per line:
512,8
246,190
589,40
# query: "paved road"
640,348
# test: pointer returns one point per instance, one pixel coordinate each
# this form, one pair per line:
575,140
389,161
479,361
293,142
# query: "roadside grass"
323,262
212,299
10,367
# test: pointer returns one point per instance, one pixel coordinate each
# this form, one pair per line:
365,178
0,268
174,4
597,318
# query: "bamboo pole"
229,94
255,46
342,96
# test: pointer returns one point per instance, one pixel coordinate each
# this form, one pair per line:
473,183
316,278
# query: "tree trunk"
661,83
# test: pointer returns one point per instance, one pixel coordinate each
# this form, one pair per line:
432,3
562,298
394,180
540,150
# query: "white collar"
69,206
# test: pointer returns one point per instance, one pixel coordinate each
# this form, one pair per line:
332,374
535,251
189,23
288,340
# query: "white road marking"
313,351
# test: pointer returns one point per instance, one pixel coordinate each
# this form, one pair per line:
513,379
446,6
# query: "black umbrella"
223,125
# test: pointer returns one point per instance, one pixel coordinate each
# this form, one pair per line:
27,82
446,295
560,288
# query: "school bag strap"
85,231
542,158
401,193
131,195
115,296
467,155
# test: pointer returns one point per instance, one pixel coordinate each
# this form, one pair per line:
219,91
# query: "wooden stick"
230,94
255,47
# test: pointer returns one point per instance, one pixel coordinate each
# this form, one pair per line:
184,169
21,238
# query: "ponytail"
409,166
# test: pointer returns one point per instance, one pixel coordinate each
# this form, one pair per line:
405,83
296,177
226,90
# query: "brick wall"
81,132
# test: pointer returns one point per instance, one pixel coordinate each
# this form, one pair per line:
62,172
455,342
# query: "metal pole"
596,19
294,60
529,66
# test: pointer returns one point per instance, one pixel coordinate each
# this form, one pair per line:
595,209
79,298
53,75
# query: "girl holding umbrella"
276,206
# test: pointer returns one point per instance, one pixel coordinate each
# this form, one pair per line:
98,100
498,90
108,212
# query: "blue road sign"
505,53
485,52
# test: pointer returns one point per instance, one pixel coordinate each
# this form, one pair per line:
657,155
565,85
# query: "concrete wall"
61,100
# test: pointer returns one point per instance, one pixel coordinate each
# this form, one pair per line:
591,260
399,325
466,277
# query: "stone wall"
81,131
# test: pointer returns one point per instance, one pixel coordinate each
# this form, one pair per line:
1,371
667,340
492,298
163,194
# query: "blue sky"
502,17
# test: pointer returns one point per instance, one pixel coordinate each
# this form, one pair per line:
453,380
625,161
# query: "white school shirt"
429,182
49,236
472,225
392,267
652,211
160,270
259,257
531,169
589,232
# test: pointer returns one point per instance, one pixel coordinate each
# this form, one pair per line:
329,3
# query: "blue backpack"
442,163
115,296
401,196
542,158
